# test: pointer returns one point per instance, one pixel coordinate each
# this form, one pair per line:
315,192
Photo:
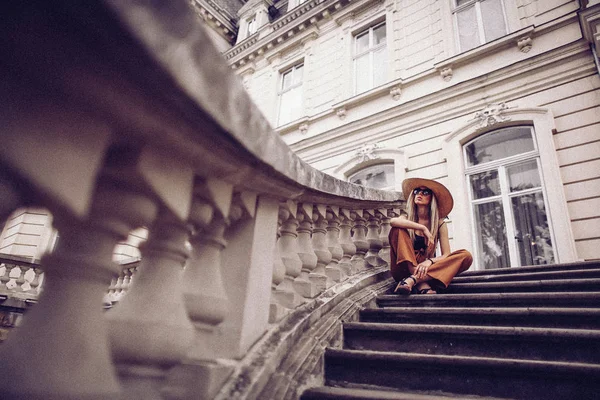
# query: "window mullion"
511,234
482,38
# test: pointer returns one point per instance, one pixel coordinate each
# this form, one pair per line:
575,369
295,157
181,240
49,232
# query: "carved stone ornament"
525,44
491,115
341,112
446,73
365,153
303,128
395,92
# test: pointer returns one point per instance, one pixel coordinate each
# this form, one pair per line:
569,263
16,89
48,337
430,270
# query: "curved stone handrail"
122,115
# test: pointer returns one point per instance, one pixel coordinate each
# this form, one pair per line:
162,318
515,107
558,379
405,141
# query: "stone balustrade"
122,115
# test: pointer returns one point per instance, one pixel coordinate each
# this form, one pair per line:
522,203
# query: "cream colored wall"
557,74
27,233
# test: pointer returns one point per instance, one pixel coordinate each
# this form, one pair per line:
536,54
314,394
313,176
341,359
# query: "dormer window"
252,25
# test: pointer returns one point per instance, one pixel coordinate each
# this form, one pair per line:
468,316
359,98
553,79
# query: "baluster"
5,277
319,241
375,243
277,309
312,283
385,216
38,280
149,327
109,296
14,279
67,327
360,241
289,255
28,277
346,241
333,232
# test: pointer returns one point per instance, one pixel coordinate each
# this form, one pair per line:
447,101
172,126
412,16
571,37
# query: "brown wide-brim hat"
443,197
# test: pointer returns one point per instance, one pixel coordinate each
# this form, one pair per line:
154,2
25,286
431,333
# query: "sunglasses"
424,192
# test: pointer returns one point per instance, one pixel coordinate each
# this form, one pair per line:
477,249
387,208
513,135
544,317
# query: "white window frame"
543,123
371,50
251,25
281,91
477,4
505,195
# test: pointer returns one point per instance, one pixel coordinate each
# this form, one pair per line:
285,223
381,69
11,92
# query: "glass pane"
363,80
493,19
298,72
524,176
532,232
499,144
296,102
468,32
379,35
461,2
285,109
379,176
485,184
379,66
491,241
286,80
362,42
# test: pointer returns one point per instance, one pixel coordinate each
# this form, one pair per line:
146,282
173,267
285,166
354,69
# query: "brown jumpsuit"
403,254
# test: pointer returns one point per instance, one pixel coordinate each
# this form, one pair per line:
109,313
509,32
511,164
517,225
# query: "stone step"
535,268
529,276
550,285
343,393
554,317
573,345
511,378
538,299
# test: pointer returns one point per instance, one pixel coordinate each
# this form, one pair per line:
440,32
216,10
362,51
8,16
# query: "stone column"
360,241
346,242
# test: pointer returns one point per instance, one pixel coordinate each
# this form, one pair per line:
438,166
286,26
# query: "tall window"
290,95
370,58
380,176
479,22
252,25
506,190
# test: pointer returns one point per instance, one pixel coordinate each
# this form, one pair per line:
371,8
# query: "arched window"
378,176
507,201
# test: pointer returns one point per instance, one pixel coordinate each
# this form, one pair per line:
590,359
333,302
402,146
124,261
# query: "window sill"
485,49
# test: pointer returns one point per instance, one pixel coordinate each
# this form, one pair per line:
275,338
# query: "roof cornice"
283,30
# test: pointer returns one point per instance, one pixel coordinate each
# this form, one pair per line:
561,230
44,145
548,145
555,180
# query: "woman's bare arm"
402,222
444,243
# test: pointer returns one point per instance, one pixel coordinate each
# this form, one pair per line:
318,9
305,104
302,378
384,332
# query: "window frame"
478,14
370,51
506,195
251,26
280,91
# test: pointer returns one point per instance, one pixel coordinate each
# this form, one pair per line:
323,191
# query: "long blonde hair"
434,219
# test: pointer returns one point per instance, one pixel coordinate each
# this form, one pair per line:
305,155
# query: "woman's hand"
427,235
422,268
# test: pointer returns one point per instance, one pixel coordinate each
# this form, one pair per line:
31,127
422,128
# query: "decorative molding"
303,128
491,115
446,73
367,152
525,44
395,92
341,112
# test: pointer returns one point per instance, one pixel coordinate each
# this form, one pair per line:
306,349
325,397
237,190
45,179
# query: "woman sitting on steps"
413,240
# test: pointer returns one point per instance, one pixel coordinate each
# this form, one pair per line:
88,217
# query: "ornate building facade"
498,99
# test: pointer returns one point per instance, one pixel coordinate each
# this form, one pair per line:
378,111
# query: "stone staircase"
526,333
